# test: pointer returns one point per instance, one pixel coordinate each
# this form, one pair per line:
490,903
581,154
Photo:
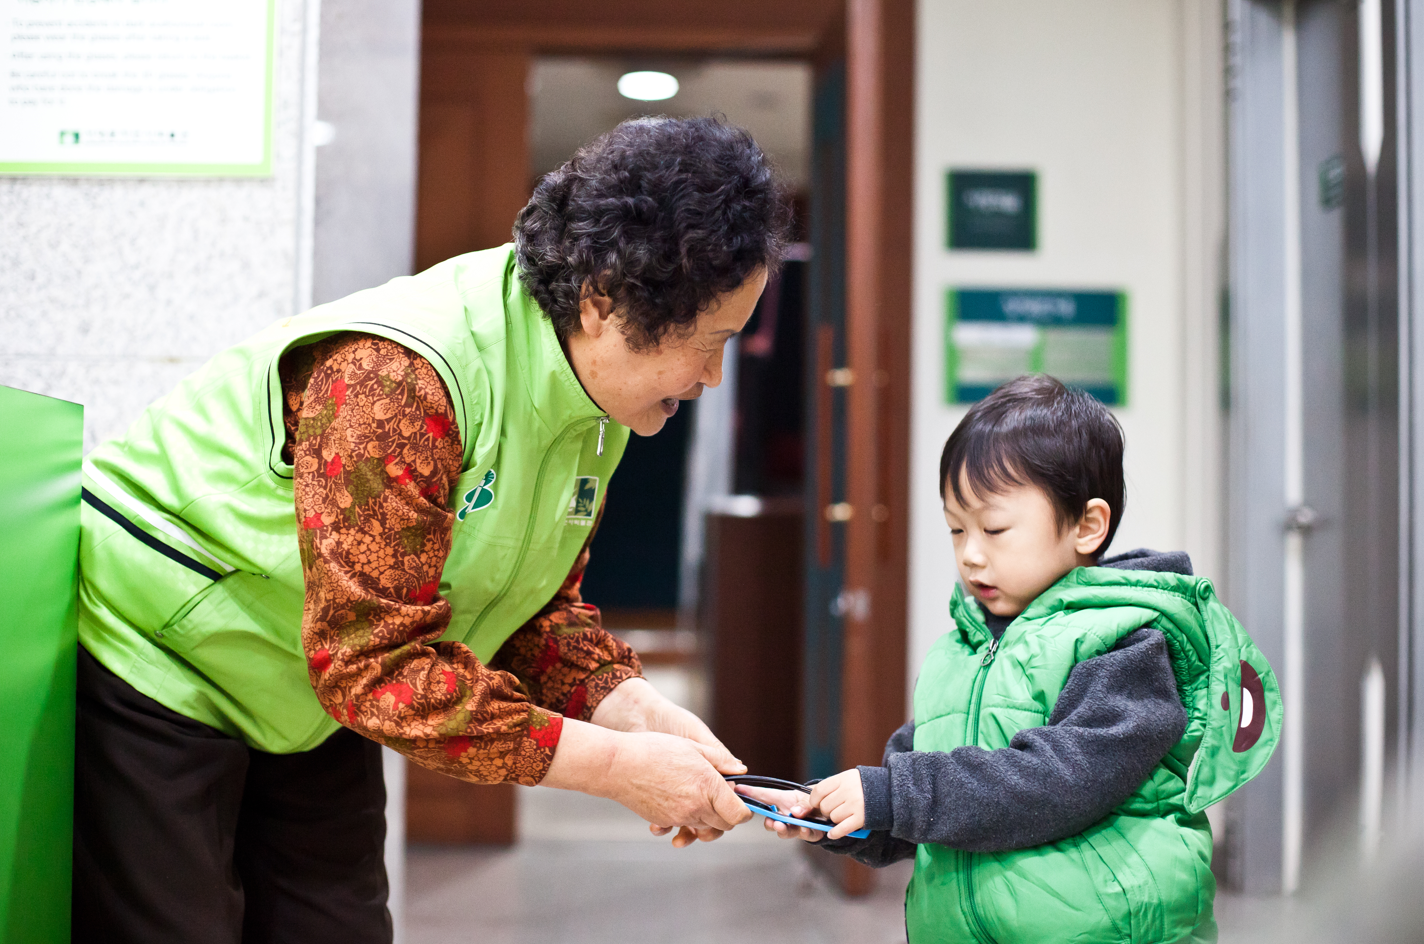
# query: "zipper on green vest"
602,424
971,737
529,527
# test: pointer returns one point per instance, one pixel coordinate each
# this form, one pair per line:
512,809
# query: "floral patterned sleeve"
563,656
373,440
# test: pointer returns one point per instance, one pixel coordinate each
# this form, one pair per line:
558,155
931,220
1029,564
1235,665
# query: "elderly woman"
368,524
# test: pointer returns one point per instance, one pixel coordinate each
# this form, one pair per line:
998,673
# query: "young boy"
1074,724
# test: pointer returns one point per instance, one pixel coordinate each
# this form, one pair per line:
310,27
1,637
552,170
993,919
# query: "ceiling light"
647,86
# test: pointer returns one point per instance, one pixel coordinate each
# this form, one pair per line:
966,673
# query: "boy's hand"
841,800
792,802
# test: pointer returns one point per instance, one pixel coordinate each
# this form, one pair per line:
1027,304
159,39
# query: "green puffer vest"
1143,874
191,580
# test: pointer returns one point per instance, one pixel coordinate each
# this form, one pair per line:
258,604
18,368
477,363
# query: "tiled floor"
587,871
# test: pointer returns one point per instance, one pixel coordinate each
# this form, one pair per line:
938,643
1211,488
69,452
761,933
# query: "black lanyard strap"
771,783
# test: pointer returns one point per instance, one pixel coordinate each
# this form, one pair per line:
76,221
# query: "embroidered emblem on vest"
478,497
584,503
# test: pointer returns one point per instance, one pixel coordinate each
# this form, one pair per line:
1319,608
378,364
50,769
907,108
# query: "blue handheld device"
772,812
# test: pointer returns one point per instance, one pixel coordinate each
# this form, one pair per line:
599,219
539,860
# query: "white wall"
111,290
1091,95
369,93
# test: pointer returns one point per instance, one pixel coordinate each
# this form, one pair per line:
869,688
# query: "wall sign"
995,335
992,210
157,87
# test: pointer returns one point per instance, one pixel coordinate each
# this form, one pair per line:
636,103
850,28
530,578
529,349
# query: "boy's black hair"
1036,431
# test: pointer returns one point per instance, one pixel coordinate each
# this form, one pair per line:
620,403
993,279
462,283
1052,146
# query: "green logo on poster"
69,137
584,503
478,497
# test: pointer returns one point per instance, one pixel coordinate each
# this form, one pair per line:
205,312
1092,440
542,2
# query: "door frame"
880,110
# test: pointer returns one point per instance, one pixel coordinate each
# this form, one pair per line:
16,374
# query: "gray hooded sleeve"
1114,721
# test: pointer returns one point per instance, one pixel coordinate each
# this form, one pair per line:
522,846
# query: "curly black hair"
663,215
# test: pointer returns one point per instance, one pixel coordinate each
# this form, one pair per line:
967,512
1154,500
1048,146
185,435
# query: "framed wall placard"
994,335
990,209
151,88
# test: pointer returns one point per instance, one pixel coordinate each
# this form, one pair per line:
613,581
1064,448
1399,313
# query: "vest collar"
554,389
970,618
966,615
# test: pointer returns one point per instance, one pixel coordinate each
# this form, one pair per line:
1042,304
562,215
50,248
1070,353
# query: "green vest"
191,580
1143,874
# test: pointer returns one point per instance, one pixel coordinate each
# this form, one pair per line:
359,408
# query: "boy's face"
1009,547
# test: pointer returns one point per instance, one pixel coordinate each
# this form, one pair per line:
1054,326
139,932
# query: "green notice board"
994,335
39,553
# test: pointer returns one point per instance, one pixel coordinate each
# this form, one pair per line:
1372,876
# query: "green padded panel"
40,455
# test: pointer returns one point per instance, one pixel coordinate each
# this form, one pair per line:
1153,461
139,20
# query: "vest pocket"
174,627
239,603
1129,879
1111,895
1062,891
242,635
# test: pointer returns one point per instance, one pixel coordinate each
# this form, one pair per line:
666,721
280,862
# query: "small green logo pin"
584,503
478,497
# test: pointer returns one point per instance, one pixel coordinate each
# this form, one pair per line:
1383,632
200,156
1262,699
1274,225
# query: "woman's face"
641,389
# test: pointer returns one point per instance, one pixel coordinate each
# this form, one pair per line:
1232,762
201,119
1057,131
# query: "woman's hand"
793,803
669,781
841,799
636,706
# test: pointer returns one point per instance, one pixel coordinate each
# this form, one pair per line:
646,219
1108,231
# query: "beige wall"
1117,105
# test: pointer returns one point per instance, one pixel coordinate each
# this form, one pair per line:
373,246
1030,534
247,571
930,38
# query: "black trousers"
182,834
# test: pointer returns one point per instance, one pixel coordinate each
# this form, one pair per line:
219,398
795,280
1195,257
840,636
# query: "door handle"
1302,519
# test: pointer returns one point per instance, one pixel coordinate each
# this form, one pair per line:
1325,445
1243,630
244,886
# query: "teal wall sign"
992,210
39,567
994,335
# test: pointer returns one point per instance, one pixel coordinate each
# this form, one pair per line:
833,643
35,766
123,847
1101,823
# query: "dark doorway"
634,563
